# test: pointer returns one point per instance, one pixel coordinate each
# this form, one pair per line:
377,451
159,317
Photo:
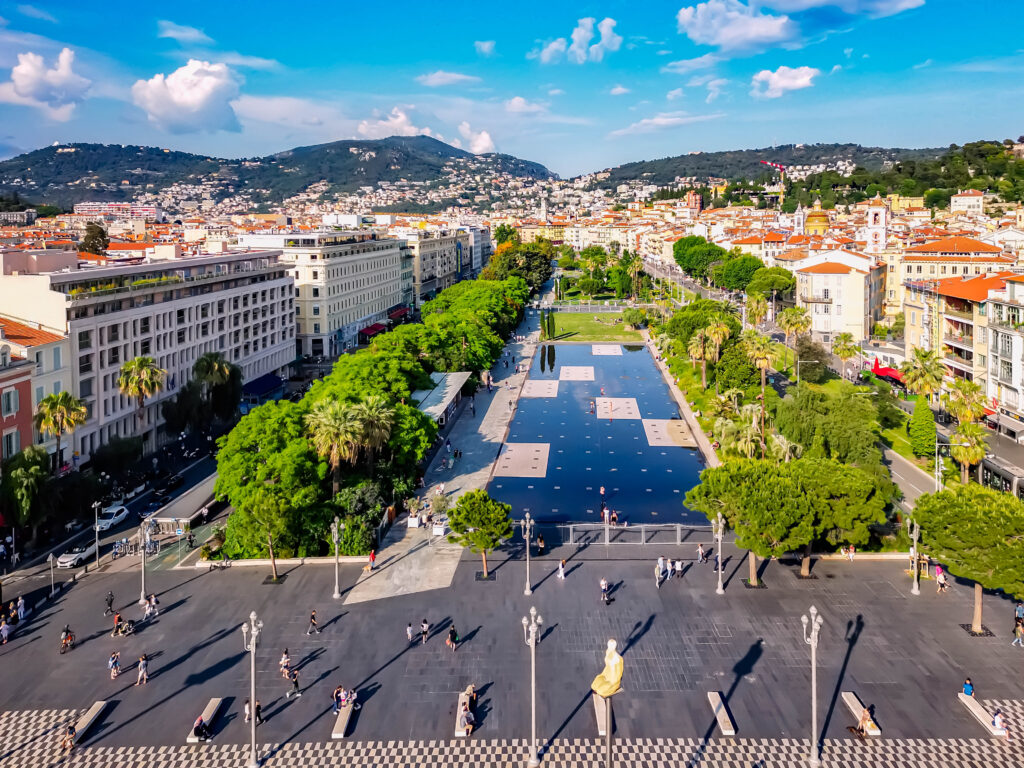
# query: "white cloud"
480,142
874,8
618,90
835,68
441,77
847,52
288,111
520,105
235,59
54,91
731,25
771,85
923,64
195,97
484,47
715,87
397,123
35,13
689,65
181,33
551,52
675,93
662,121
609,40
556,92
581,49
581,37
664,52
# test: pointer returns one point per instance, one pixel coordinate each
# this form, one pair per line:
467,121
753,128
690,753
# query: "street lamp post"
336,537
812,640
938,466
143,547
915,531
798,369
527,528
249,643
96,529
531,630
719,528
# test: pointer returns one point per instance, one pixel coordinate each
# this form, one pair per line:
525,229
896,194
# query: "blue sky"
578,87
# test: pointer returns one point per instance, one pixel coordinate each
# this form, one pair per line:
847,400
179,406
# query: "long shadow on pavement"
853,632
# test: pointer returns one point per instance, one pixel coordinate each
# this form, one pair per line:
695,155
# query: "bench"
459,729
84,723
209,715
854,704
601,715
341,724
725,723
983,717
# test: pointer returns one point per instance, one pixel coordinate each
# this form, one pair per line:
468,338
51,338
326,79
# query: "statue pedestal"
600,711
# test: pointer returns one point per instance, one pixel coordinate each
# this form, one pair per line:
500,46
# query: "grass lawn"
581,326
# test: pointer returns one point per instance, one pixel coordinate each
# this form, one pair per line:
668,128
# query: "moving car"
165,487
77,555
111,516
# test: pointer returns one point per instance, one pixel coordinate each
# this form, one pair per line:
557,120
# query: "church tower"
877,229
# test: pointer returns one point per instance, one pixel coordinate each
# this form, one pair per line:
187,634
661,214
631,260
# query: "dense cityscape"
294,441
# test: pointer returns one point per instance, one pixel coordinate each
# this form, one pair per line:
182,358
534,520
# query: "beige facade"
840,298
439,258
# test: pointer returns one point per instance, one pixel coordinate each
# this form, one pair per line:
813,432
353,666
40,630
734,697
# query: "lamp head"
525,622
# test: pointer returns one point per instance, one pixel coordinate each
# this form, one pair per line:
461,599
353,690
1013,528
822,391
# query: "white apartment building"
842,292
345,283
970,201
480,250
438,259
240,304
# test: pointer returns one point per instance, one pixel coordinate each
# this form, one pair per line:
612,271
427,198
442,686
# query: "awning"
989,412
373,330
402,312
262,386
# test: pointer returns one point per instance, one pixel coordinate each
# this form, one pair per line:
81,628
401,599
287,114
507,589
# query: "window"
913,318
11,444
114,356
85,388
85,364
58,362
316,327
316,310
954,269
113,333
181,316
316,275
39,362
57,387
85,339
145,347
144,325
1005,370
9,403
980,334
40,395
316,292
982,360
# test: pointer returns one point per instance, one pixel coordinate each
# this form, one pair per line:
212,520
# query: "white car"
77,555
111,516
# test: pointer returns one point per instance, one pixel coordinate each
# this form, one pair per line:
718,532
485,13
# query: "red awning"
402,312
989,412
373,330
881,370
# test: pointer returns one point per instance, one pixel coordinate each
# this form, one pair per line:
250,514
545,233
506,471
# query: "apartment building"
480,250
15,402
51,353
842,293
970,201
345,284
437,260
1005,311
240,304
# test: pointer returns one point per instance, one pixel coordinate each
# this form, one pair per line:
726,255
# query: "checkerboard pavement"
30,739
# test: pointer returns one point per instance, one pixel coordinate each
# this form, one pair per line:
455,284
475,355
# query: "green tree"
479,523
505,233
186,409
737,273
376,420
699,348
633,317
815,359
95,239
57,415
965,400
590,286
978,533
734,371
844,347
211,370
25,475
771,281
757,308
922,429
225,397
923,372
968,447
140,378
334,432
759,352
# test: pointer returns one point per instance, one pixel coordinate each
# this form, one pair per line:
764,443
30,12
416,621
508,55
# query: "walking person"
657,574
540,544
372,558
153,602
294,690
604,590
1018,611
424,630
110,603
21,609
669,569
702,556
453,638
850,552
248,710
679,569
312,623
409,633
1018,633
561,570
257,712
285,664
601,491
114,664
143,677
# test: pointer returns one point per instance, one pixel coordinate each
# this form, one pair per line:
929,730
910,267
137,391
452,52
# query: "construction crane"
782,179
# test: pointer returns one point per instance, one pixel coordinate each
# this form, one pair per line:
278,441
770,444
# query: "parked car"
77,555
111,516
172,483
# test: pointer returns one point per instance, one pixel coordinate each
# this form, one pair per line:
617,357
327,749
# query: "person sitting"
69,737
201,730
470,693
999,722
467,720
865,722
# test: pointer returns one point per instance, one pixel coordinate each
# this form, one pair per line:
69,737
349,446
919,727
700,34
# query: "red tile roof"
25,335
829,268
955,244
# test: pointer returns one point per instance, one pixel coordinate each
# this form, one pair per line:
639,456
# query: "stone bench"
983,717
209,715
854,704
341,723
725,723
460,731
84,723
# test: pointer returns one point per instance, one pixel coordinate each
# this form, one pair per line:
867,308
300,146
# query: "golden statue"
609,682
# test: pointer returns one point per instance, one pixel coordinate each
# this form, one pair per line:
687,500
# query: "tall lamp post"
527,527
938,466
812,640
531,630
336,538
719,526
96,529
915,531
142,545
249,643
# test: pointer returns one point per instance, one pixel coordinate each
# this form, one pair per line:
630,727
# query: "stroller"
125,628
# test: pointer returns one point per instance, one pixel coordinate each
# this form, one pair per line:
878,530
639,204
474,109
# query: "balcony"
815,299
959,313
960,362
966,342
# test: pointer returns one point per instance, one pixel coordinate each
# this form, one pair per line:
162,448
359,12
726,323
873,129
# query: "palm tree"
844,347
973,449
334,432
965,400
140,378
748,439
720,406
801,322
725,429
57,415
759,352
376,419
211,370
757,308
717,333
734,394
788,321
698,350
785,449
923,372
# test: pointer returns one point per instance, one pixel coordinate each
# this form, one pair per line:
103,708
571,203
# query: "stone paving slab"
617,408
540,388
576,373
668,432
523,460
599,350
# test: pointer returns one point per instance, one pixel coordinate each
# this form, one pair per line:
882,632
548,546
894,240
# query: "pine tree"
922,429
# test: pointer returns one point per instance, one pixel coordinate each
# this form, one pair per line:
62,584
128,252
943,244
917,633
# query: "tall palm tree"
140,378
334,432
57,415
788,320
748,439
720,406
844,347
759,352
923,372
211,370
801,322
376,419
717,332
757,308
785,449
725,429
965,400
734,394
972,451
698,349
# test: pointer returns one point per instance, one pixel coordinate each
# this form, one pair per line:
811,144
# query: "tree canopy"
479,523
